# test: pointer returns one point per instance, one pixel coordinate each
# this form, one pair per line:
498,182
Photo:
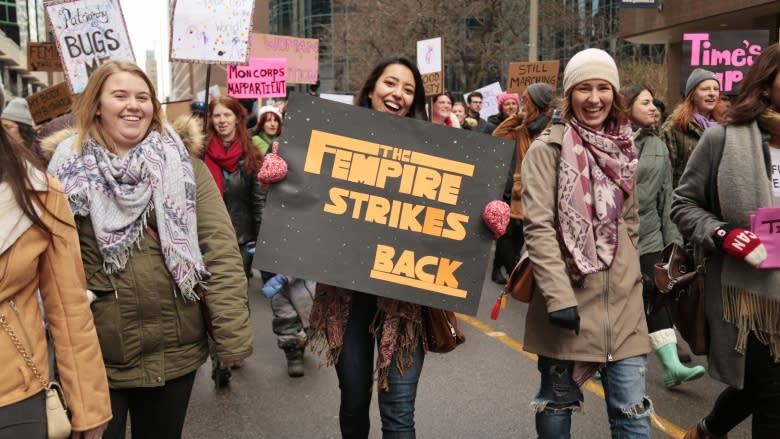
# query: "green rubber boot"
664,343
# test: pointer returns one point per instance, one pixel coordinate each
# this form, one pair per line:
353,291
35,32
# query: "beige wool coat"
613,325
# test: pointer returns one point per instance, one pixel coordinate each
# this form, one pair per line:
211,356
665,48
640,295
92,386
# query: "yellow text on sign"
407,269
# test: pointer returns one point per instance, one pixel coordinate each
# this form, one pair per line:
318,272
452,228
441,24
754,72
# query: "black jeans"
355,370
659,316
155,412
760,396
24,419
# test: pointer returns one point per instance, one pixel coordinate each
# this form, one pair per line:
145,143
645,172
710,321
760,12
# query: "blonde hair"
85,118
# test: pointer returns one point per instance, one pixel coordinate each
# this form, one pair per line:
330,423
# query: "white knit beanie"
590,64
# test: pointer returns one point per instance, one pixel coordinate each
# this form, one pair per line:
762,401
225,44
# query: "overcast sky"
147,23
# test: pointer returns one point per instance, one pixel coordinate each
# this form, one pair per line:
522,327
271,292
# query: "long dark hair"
417,109
252,157
15,163
753,97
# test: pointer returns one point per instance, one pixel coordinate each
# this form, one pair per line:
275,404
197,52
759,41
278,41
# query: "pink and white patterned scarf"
118,193
595,176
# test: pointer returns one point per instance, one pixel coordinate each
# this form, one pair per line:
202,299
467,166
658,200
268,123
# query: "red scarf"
218,159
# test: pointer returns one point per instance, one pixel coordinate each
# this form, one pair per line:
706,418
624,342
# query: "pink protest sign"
766,224
302,55
262,78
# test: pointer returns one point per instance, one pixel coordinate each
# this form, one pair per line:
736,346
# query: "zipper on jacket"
21,326
608,324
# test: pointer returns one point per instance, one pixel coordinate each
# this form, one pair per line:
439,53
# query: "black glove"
567,318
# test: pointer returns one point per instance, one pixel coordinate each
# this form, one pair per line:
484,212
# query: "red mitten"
496,217
740,243
274,168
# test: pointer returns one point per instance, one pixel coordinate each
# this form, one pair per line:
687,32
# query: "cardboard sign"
433,83
50,103
43,57
729,54
382,204
523,74
175,109
211,31
263,78
766,224
302,55
489,99
88,33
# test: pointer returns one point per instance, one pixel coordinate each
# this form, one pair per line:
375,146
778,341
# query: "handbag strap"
18,344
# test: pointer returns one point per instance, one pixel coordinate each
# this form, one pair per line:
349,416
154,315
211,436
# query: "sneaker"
274,285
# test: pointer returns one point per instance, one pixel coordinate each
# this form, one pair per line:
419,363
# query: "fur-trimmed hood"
191,137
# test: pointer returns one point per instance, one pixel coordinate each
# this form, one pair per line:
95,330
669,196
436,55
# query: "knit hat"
541,94
697,76
18,111
269,109
503,96
590,64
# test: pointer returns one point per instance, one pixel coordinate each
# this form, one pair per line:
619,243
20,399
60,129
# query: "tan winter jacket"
148,332
30,260
613,325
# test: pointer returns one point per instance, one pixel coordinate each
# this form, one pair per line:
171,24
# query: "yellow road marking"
662,424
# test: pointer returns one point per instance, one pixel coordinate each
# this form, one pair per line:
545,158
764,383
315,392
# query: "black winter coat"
244,198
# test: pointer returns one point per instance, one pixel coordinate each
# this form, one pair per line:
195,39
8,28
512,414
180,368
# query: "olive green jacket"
680,145
148,332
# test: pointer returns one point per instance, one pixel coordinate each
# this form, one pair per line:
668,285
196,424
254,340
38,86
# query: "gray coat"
613,325
654,189
696,211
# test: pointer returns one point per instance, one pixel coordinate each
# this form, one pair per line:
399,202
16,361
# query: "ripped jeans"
628,408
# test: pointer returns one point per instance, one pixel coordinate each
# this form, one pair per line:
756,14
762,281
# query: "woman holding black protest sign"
346,324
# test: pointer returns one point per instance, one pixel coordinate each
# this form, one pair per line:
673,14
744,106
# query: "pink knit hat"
504,95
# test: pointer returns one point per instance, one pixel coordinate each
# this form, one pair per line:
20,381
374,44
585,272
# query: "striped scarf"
118,193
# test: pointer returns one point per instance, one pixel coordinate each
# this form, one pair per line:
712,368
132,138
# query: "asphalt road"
480,390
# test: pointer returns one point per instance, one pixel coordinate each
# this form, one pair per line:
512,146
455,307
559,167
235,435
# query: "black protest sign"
382,204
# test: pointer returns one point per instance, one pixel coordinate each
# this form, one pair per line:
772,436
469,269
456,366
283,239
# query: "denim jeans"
624,387
355,370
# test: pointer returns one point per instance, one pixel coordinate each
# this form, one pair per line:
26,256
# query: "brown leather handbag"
681,280
520,284
441,330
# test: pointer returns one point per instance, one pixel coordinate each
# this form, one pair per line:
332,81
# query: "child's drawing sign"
211,31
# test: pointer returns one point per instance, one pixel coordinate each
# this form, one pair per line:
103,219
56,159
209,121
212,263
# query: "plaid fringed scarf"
118,193
397,325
